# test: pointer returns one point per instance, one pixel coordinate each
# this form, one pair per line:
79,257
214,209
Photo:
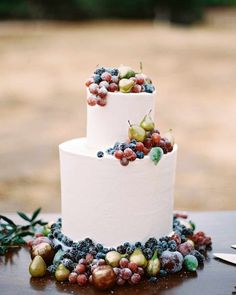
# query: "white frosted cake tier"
111,203
106,125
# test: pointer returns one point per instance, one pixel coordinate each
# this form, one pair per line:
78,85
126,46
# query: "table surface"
215,278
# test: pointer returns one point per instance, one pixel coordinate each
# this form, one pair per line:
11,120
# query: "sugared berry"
124,262
171,261
149,88
100,154
125,273
112,87
115,79
119,154
106,76
89,82
101,102
102,92
73,278
140,155
80,268
97,78
124,161
139,146
104,84
93,88
136,88
128,153
139,79
135,278
82,280
92,100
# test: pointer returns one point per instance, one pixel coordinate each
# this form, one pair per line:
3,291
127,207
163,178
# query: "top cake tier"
109,124
116,96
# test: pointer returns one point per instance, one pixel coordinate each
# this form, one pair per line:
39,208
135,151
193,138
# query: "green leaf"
23,215
8,220
35,214
39,221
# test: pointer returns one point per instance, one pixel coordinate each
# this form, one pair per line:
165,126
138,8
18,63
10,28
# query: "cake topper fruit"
156,154
123,79
126,72
147,122
138,258
37,267
126,85
154,265
136,132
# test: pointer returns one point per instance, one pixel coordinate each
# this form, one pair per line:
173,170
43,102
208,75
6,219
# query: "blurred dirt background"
43,67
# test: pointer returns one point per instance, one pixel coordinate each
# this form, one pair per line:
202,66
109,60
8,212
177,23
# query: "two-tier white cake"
105,201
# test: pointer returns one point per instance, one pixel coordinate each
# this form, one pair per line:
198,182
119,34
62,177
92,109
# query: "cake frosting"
101,199
108,124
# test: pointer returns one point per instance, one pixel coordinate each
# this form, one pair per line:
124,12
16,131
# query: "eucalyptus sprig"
12,234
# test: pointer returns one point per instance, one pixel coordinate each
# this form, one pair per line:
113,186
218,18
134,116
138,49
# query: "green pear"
125,85
113,258
138,258
169,135
126,72
136,132
147,122
37,267
62,273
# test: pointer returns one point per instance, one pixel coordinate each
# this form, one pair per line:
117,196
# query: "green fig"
113,258
126,72
37,267
147,122
169,135
138,258
125,85
153,265
62,273
136,132
156,154
58,256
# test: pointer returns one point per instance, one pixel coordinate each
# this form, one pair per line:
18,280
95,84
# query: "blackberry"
163,273
92,250
130,250
79,255
138,244
187,231
100,255
183,239
112,249
97,78
80,245
114,72
121,249
52,268
149,88
159,249
68,263
67,241
152,279
100,154
172,246
164,245
56,233
100,71
148,253
88,241
151,243
105,250
50,236
140,155
57,247
99,247
199,256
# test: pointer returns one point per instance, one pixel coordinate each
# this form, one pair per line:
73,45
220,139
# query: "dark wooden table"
216,278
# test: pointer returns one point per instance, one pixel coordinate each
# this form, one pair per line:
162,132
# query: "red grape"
135,278
140,79
124,161
106,77
73,277
140,271
112,87
89,82
93,88
128,153
104,84
124,262
146,151
133,266
148,143
125,273
102,92
92,100
101,102
155,138
119,154
120,281
133,157
80,268
139,146
82,280
136,88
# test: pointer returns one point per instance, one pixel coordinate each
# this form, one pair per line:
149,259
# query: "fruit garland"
123,79
86,262
144,139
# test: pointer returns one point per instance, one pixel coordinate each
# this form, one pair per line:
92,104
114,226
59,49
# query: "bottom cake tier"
113,204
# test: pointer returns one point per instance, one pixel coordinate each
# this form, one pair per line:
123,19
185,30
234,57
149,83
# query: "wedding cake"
106,201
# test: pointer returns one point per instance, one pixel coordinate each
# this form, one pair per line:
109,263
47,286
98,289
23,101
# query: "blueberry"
52,268
57,247
163,273
138,244
68,263
50,236
152,279
110,151
172,246
114,72
100,71
105,250
123,146
199,256
97,78
149,88
100,255
126,244
132,146
183,239
116,145
100,154
140,155
130,250
133,141
164,245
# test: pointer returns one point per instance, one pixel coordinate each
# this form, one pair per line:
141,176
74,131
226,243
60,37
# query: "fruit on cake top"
123,79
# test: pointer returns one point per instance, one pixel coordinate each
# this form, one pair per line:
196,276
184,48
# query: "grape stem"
129,123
